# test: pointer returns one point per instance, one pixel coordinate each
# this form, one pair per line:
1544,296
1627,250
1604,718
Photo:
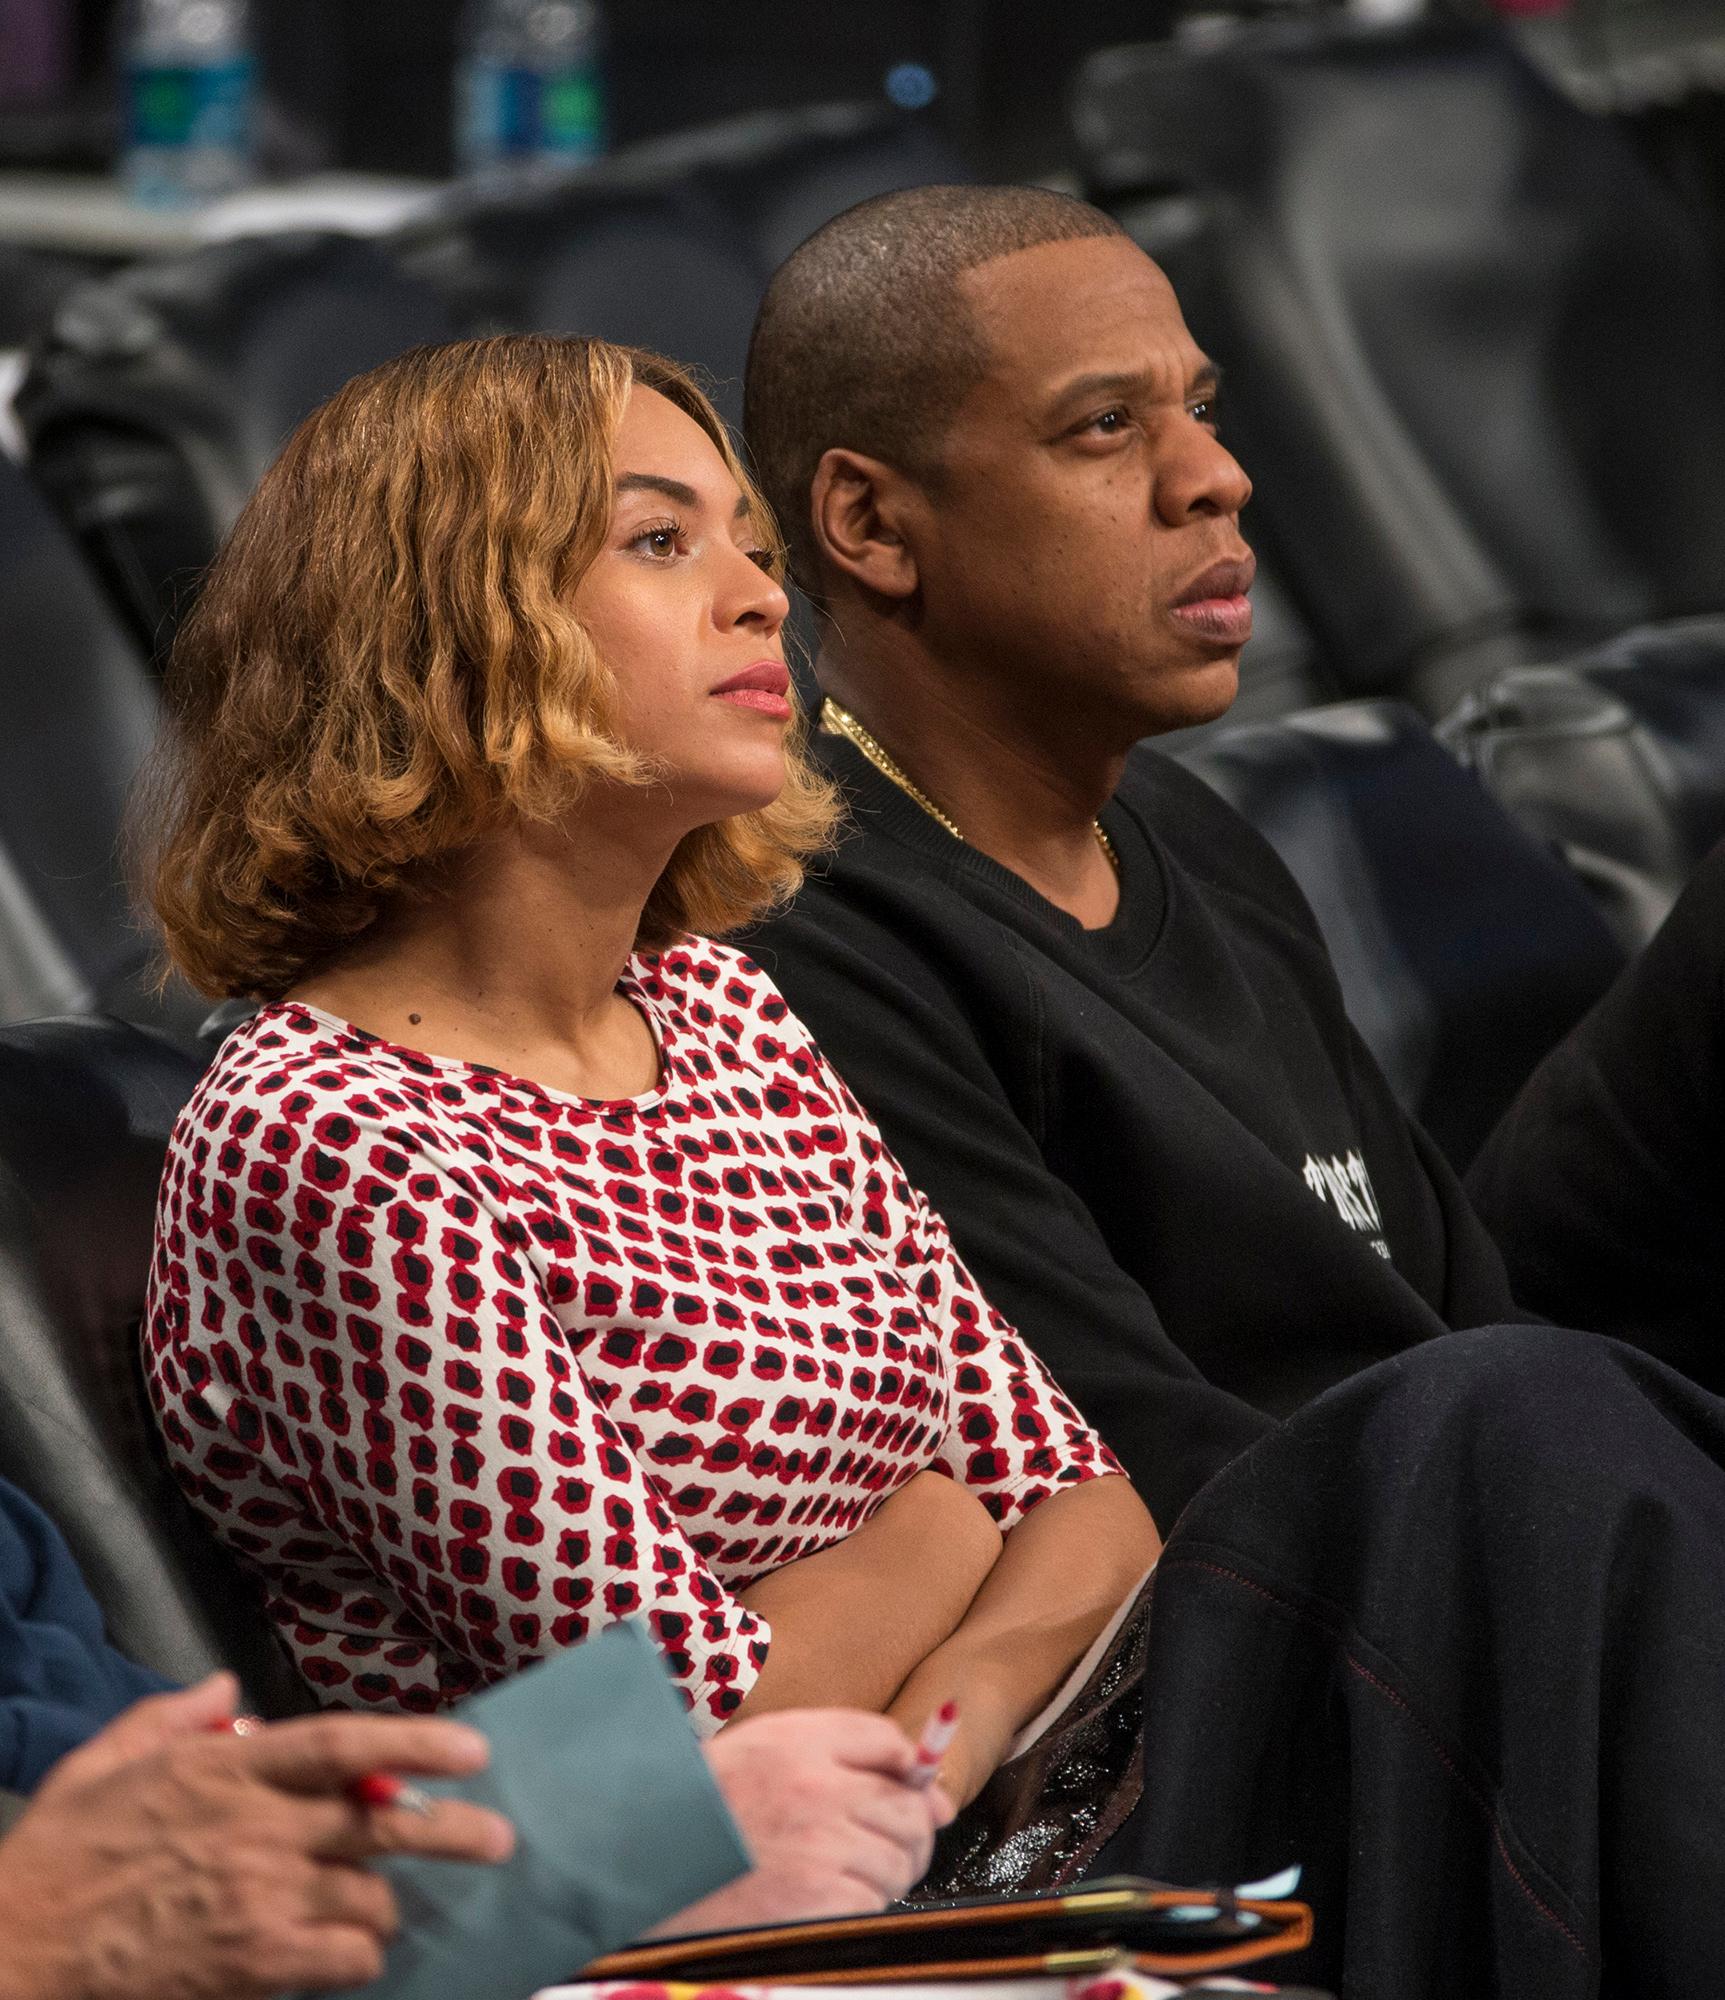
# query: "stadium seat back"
80,709
653,267
811,165
670,245
1616,759
86,1107
1436,282
1464,948
162,394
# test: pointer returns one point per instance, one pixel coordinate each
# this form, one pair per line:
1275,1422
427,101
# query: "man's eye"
1109,422
1204,411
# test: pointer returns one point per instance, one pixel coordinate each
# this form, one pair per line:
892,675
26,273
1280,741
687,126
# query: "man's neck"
1022,788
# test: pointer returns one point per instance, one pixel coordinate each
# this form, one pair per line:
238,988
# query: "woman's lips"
762,700
1227,619
764,687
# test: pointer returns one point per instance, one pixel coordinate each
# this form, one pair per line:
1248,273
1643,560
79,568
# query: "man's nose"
1199,475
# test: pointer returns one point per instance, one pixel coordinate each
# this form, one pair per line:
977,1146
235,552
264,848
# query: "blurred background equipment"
529,84
189,80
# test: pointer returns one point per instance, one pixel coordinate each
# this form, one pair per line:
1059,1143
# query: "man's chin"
1191,696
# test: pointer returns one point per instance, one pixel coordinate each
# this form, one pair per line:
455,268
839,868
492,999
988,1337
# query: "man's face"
1083,533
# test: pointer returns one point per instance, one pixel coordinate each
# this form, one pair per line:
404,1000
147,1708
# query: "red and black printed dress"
467,1368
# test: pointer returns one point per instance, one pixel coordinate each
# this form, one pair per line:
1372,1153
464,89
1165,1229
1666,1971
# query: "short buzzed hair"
863,339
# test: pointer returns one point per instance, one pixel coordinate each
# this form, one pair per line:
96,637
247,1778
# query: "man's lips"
1215,604
764,687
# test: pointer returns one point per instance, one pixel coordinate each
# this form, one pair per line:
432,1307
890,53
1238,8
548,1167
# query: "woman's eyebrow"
673,489
654,482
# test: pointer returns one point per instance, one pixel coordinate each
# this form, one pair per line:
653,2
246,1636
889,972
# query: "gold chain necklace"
838,721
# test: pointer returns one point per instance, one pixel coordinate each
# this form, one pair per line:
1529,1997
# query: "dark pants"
1453,1637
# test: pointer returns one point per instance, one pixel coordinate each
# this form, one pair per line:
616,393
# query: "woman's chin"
737,789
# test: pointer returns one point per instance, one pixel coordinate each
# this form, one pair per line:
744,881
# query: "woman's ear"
855,512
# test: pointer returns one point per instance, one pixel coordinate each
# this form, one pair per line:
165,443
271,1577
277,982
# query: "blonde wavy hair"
384,665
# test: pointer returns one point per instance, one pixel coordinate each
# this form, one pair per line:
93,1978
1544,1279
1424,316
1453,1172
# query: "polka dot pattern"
466,1369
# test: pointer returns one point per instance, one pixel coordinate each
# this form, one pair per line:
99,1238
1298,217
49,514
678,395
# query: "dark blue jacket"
60,1680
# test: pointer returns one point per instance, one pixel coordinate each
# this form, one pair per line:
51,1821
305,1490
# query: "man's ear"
856,508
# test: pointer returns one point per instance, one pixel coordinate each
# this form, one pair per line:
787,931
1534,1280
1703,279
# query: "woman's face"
687,619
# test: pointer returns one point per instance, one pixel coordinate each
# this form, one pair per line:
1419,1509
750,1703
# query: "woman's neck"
513,960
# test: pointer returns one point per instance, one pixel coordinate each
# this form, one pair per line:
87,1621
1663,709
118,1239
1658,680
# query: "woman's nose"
755,596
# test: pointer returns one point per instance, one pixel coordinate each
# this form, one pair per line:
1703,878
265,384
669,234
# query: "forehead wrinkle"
1201,378
1044,382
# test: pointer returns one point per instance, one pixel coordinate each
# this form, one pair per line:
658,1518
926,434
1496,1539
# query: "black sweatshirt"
1605,1181
1162,1148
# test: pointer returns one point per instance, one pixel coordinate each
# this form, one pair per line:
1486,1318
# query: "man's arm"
1602,1183
922,1073
165,1862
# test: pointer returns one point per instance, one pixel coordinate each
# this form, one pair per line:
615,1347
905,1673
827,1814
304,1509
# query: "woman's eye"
659,542
761,558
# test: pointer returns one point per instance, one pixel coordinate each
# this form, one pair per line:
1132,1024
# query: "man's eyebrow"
1205,381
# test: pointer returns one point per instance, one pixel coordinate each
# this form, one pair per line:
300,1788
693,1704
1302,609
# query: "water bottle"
530,87
190,85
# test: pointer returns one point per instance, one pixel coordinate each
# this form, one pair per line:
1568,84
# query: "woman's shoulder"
713,985
718,995
291,1064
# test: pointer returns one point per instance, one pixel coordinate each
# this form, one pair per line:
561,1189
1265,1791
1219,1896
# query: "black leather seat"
32,284
1437,286
86,1107
1616,759
162,393
80,709
1464,948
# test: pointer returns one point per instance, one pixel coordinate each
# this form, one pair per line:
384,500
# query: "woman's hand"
821,1800
851,1623
164,1862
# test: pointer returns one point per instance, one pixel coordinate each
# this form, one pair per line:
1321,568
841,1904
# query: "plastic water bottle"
190,85
530,85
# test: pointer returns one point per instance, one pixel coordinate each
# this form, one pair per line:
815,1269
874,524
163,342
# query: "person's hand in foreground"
821,1798
164,1861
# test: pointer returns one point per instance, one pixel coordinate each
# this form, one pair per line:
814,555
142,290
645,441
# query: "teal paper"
617,1823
